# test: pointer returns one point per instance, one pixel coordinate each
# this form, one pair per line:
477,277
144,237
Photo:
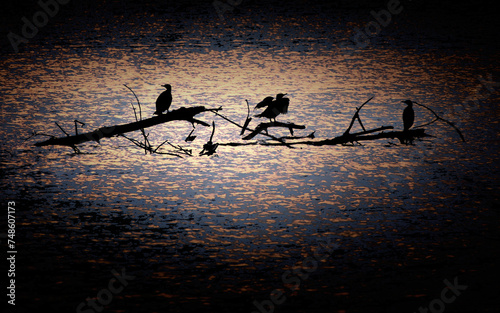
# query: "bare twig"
213,131
247,121
154,151
146,140
190,136
137,143
138,102
429,123
62,129
34,134
141,145
181,149
441,119
356,116
76,126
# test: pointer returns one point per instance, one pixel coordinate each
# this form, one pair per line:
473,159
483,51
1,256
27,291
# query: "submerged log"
181,114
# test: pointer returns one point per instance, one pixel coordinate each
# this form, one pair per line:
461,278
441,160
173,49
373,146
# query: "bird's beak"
284,94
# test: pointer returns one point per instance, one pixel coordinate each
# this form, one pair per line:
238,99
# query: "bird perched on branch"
164,100
264,103
408,115
274,107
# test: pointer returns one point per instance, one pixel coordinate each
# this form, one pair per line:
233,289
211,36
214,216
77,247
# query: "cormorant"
408,115
164,100
275,108
264,103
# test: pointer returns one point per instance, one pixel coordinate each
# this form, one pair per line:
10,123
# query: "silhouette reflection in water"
274,108
164,100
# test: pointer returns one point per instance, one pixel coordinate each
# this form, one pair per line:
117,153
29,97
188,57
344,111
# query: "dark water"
217,233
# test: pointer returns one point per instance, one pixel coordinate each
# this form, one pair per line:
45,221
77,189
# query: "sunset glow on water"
217,233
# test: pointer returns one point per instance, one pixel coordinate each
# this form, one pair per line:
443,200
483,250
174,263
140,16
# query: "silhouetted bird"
264,103
164,100
408,115
275,108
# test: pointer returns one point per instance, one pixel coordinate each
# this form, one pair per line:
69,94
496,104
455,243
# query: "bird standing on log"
164,100
274,108
408,115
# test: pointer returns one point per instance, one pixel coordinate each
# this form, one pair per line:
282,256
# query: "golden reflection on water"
251,205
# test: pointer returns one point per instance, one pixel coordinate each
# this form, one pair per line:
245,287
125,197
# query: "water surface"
216,233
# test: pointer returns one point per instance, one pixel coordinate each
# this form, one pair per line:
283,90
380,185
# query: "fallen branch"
343,139
181,114
369,131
